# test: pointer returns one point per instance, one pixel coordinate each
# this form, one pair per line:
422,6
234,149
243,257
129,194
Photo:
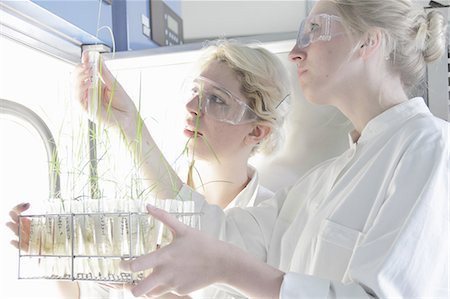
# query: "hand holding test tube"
94,92
88,245
100,94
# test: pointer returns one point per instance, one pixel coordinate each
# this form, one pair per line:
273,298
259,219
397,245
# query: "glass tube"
89,245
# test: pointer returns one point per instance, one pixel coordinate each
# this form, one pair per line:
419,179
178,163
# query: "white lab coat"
251,195
372,222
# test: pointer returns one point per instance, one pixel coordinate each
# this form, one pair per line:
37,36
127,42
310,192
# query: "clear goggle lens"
219,103
320,27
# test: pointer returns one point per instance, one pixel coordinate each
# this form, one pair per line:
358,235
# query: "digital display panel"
172,24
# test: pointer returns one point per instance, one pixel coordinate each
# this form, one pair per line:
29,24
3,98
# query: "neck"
368,101
221,182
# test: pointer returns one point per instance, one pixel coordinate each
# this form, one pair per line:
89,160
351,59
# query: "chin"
201,150
315,97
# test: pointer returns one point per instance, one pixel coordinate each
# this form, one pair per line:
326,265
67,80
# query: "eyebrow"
221,90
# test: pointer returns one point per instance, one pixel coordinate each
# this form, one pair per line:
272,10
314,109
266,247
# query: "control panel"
167,26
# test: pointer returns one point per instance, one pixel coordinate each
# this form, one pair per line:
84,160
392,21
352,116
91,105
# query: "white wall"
215,18
313,133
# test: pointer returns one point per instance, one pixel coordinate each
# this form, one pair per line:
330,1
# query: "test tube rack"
90,246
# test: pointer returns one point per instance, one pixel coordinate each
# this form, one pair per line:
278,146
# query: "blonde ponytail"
412,36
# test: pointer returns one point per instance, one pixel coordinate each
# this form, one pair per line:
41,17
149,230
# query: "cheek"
226,135
321,61
329,58
334,68
329,63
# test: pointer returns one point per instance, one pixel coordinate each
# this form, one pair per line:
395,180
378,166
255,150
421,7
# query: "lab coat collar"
353,137
390,118
247,195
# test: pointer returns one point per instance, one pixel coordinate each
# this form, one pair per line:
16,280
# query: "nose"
193,106
297,54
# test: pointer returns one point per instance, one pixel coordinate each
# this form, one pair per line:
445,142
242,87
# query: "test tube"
93,92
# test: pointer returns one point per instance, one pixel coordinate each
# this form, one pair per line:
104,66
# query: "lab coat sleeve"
405,252
250,229
92,290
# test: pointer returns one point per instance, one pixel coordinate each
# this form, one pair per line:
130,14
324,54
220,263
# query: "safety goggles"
320,27
219,103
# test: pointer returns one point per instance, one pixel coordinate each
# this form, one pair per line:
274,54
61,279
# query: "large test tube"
89,243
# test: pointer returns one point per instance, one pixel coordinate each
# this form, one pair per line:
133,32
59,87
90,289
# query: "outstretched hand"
116,107
24,226
190,262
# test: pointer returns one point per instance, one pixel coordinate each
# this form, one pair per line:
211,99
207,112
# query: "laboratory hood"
37,61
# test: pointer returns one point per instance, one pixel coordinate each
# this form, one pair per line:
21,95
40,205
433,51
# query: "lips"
192,131
301,71
189,129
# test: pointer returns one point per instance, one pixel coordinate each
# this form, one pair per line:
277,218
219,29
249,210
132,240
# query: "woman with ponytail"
371,223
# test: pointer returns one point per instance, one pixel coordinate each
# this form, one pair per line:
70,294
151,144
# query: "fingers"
177,227
85,57
143,262
83,89
14,226
82,81
82,72
15,243
102,70
24,232
105,74
84,77
17,210
21,207
152,286
14,216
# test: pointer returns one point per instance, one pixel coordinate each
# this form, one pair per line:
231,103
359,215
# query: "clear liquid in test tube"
94,89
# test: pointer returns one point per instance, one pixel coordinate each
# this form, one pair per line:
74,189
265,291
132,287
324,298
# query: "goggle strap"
282,100
327,27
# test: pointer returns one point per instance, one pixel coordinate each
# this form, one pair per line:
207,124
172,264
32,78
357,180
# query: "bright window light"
41,83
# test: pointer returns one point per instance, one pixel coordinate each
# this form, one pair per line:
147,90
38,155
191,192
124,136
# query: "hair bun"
432,36
421,37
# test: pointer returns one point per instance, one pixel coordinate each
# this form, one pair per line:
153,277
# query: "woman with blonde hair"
236,106
370,223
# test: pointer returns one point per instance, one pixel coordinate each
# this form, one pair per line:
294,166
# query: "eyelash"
314,26
218,99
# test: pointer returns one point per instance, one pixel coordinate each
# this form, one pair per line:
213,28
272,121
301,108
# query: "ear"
259,132
372,41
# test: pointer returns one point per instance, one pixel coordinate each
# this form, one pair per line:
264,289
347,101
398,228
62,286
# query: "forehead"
224,76
324,7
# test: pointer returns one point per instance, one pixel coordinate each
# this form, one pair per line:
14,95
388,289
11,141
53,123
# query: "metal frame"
26,114
31,25
123,277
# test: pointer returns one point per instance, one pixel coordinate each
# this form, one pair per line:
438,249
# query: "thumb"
85,57
104,73
167,219
21,207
